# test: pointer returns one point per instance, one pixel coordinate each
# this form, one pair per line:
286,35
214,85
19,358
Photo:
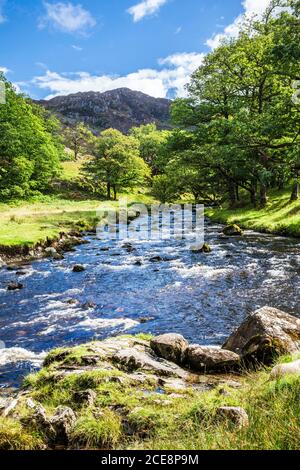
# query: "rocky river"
146,286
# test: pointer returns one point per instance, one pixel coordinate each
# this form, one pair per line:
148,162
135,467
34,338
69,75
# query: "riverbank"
29,226
117,394
280,217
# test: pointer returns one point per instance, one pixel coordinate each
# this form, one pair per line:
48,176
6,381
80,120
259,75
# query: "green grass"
27,223
71,170
279,217
130,416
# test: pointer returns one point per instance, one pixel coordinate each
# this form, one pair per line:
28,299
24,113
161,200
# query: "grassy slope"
26,223
184,421
280,216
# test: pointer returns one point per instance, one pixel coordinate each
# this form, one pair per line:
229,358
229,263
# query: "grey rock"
207,359
265,335
284,370
170,346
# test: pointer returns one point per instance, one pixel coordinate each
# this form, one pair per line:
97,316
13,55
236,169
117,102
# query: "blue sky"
50,48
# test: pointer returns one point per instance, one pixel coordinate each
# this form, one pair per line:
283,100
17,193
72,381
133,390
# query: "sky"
50,48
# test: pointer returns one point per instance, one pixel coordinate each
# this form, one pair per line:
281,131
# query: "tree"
150,141
116,163
79,139
29,156
240,111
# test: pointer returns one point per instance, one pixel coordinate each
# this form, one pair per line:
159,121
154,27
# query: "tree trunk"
232,195
108,190
295,191
253,194
263,195
237,192
115,192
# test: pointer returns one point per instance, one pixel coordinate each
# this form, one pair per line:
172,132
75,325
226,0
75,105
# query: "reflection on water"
203,297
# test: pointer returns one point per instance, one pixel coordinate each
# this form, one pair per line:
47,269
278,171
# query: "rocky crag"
120,109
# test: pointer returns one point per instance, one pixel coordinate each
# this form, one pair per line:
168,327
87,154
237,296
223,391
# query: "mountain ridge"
121,109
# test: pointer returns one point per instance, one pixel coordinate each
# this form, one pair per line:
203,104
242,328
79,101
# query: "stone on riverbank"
265,335
284,370
207,359
170,346
233,230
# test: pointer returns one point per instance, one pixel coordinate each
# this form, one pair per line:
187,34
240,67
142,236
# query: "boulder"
233,230
170,346
284,370
78,268
233,414
265,335
208,359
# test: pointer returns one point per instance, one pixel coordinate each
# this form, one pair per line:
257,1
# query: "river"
202,296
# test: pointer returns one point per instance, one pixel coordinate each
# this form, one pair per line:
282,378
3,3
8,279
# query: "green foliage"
29,153
151,142
240,119
80,140
117,164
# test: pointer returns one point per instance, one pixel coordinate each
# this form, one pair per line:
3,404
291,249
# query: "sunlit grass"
281,216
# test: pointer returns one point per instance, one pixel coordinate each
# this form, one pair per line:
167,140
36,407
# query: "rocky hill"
120,109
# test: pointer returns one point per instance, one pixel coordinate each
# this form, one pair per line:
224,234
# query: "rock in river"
233,230
14,286
78,268
265,335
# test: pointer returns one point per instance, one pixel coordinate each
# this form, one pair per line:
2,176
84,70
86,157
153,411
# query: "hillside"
120,109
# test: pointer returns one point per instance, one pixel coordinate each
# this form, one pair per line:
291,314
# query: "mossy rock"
233,230
204,249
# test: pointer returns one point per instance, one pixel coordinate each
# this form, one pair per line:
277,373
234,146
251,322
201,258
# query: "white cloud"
67,17
77,48
251,8
145,8
172,76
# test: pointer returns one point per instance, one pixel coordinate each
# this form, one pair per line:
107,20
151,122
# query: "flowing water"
202,296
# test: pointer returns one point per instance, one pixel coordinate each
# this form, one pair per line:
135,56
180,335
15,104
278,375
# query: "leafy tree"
150,141
116,163
79,139
240,111
29,155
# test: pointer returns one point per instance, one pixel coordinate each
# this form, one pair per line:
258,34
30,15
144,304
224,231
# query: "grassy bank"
126,414
29,222
281,216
